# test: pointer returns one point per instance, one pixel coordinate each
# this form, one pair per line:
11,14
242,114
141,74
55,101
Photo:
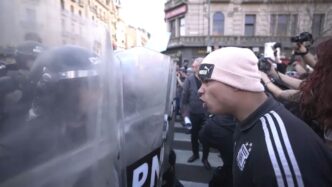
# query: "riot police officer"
65,92
16,93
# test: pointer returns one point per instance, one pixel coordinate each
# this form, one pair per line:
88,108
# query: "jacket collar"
251,120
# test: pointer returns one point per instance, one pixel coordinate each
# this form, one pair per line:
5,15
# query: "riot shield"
59,99
146,88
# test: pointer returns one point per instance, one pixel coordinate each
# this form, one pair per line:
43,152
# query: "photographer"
303,42
312,94
180,78
181,75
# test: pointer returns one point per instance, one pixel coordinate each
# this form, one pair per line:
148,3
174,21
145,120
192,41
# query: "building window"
62,4
317,26
293,25
172,28
72,8
283,25
249,25
182,26
80,12
218,23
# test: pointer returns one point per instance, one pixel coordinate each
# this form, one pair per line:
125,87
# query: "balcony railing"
253,1
240,41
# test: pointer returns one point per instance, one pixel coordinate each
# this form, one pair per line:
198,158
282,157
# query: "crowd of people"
272,127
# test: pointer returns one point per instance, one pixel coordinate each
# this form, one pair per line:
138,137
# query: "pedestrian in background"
192,106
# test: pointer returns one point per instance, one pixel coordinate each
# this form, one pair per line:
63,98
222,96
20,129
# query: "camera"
303,37
264,64
276,45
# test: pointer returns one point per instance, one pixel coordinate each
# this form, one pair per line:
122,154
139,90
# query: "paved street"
191,174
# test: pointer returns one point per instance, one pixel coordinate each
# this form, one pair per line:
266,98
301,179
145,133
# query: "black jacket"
190,96
275,148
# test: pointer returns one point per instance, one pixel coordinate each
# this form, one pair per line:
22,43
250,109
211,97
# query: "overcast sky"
149,15
146,14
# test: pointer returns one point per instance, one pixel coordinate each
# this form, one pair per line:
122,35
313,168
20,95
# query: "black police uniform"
275,148
54,123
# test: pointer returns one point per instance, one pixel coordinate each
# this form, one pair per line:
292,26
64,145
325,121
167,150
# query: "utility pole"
208,48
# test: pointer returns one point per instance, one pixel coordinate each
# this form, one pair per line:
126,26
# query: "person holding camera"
270,75
272,146
180,77
313,93
303,42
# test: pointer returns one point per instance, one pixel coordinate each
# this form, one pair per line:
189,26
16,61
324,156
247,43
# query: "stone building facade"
58,22
200,26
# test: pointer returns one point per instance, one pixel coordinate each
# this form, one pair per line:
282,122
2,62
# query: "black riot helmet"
27,52
59,76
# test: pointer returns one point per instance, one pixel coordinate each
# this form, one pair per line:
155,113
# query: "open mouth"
204,104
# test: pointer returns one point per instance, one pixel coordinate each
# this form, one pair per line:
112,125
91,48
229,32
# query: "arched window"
218,23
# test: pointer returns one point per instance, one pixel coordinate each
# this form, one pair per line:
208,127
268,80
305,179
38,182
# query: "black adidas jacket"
275,148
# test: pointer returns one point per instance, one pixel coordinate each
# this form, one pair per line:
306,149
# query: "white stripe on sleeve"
280,151
272,155
289,149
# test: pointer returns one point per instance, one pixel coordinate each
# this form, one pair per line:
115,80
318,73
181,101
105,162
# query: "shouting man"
272,146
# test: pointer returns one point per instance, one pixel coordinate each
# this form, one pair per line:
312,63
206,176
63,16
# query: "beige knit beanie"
236,67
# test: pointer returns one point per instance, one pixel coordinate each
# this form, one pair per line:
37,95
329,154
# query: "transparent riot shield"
58,97
169,119
146,77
